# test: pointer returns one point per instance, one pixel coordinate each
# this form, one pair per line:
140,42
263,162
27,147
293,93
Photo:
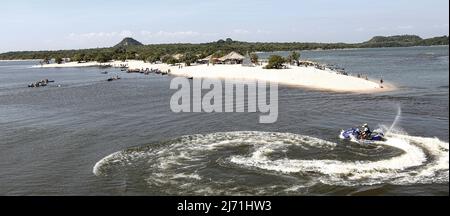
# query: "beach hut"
205,60
177,56
232,58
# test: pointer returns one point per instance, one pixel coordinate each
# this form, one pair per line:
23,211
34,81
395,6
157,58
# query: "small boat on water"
133,71
105,72
41,83
36,85
113,78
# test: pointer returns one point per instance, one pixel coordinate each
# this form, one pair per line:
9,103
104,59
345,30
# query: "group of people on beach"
362,76
340,71
148,71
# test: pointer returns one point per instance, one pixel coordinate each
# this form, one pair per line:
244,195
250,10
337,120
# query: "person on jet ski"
366,132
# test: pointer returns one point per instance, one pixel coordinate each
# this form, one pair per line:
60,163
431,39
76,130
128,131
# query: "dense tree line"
191,52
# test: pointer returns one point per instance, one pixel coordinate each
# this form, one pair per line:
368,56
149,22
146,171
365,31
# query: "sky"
53,25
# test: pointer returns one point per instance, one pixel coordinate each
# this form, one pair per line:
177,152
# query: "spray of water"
395,122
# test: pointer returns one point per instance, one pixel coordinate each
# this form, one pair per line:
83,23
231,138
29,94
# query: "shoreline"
294,76
20,60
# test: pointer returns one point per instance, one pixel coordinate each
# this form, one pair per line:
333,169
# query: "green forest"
132,49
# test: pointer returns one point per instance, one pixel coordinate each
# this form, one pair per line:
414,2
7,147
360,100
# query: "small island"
229,59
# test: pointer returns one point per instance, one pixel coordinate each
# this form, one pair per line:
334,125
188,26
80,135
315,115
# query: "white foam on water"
411,167
179,162
187,176
437,169
112,158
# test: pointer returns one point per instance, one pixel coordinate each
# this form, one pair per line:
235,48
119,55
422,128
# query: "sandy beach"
305,77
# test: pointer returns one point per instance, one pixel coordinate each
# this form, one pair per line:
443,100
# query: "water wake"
277,163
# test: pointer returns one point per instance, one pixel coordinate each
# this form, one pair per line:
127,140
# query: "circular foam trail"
264,163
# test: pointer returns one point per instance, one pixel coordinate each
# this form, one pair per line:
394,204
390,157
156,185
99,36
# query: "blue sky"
51,24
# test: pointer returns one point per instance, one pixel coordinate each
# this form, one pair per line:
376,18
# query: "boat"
133,71
354,134
113,78
41,83
36,85
105,72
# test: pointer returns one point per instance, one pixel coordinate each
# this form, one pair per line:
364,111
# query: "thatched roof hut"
178,56
206,60
232,58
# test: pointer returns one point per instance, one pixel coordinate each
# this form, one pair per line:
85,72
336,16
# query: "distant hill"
128,42
435,41
396,38
404,41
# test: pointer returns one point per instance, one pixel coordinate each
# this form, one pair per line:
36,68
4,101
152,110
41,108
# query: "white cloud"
405,27
165,34
259,31
97,39
178,34
443,26
372,29
126,33
146,33
241,31
92,35
100,35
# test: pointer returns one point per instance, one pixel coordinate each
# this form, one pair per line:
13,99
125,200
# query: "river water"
92,137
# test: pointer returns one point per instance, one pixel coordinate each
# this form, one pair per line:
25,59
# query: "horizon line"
200,43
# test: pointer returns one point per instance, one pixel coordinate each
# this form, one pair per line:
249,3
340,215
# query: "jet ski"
354,134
